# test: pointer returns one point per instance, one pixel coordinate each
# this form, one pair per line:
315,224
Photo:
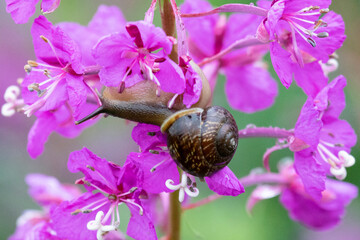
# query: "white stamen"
347,158
339,173
96,225
11,93
182,187
337,164
7,110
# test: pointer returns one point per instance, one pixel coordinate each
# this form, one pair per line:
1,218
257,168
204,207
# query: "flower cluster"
146,74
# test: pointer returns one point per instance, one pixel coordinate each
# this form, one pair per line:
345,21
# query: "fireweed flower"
106,20
325,140
93,215
21,11
161,173
48,193
318,214
57,76
54,88
301,37
137,55
255,90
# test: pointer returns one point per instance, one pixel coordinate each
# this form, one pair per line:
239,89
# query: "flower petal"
97,171
39,133
254,91
311,172
201,30
48,6
21,10
224,182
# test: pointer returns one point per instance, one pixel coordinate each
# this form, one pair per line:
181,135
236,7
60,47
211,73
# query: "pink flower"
21,10
302,39
249,87
318,214
95,213
327,140
61,81
48,193
131,57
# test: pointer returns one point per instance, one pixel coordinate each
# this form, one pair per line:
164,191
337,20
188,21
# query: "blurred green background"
111,138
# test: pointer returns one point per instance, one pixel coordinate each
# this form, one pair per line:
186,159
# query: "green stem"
168,24
175,216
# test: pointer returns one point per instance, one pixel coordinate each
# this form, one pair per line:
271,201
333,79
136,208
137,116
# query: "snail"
201,140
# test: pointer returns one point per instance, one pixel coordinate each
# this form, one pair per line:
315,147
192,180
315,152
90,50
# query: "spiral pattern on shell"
203,142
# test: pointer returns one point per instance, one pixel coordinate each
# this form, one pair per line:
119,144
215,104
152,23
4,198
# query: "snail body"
201,141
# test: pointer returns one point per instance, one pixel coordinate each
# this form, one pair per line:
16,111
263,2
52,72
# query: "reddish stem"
240,8
246,181
268,132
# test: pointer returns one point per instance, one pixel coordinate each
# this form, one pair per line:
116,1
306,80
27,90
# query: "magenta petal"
106,20
154,181
153,38
327,46
310,78
148,136
224,182
73,227
21,10
47,190
65,123
339,131
240,26
77,92
65,49
332,99
39,133
201,30
48,6
323,214
97,171
108,54
255,90
171,77
193,88
282,64
311,172
274,15
140,226
308,125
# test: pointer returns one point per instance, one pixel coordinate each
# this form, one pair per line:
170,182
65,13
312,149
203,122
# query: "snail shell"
201,142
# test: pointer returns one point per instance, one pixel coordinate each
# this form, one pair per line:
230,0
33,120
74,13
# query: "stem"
168,25
247,181
240,8
175,216
268,132
246,42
